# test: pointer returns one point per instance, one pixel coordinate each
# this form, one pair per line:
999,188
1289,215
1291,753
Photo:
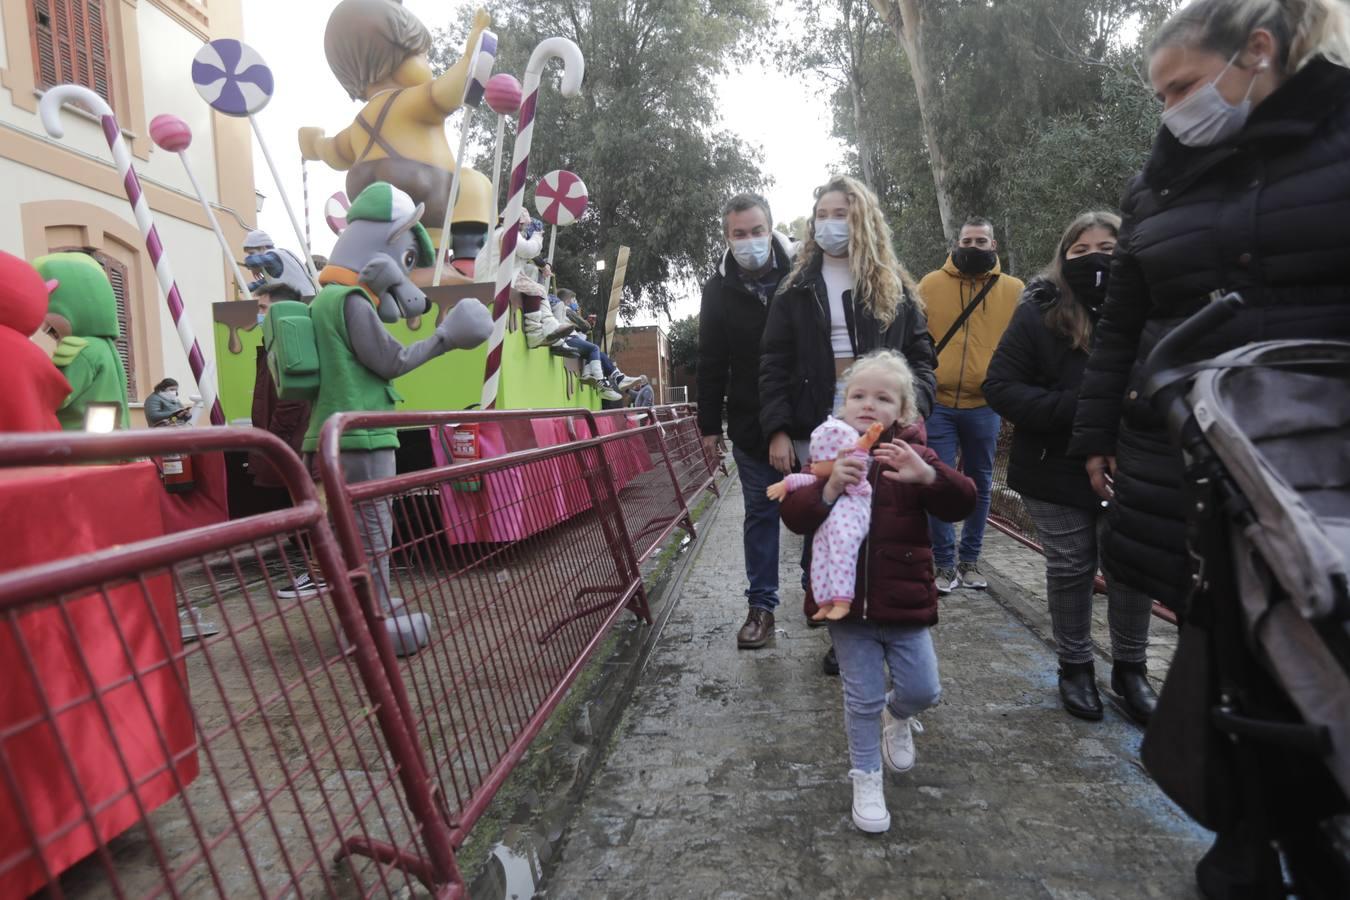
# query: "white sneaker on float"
869,802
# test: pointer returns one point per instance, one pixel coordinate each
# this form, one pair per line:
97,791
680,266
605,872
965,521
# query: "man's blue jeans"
760,531
975,433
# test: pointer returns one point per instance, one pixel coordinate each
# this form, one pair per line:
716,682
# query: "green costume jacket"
358,361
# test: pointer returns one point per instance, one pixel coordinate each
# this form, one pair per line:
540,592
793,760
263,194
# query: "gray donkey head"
384,240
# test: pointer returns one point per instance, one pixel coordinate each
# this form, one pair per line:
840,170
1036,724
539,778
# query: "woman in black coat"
846,296
1033,382
1248,190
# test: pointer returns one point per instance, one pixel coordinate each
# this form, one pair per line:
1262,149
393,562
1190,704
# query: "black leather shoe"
830,663
1078,690
756,631
1130,683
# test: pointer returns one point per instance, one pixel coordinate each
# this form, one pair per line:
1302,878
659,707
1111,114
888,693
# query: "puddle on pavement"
508,875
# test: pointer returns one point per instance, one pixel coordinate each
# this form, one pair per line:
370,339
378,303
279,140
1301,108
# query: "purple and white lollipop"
232,77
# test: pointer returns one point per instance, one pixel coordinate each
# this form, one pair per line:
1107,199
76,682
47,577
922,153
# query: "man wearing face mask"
970,303
731,322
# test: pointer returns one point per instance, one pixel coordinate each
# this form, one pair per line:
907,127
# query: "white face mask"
832,236
1205,118
751,254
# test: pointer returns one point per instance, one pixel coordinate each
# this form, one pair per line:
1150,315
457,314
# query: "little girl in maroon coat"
886,659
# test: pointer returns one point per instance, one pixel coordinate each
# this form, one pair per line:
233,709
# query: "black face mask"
1086,276
973,260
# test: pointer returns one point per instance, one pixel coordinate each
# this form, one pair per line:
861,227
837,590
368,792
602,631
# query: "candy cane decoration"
304,188
49,110
574,69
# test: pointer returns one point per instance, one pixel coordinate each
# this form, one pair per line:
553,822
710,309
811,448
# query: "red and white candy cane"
49,109
574,69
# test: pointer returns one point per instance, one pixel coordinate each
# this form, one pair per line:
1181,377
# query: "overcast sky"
796,152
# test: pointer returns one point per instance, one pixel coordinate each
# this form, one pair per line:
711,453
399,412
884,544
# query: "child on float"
886,658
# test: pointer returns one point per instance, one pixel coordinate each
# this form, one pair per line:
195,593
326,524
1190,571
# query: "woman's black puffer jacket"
1266,214
796,368
1033,382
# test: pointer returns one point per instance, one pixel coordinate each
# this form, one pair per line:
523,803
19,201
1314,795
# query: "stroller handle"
1174,345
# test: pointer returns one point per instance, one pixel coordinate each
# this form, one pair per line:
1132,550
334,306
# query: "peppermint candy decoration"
561,197
483,61
335,212
232,77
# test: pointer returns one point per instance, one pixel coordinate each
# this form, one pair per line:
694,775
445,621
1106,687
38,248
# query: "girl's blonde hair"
878,276
1303,29
892,365
1068,317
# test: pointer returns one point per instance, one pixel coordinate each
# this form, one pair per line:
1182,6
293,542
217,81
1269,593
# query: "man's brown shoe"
756,631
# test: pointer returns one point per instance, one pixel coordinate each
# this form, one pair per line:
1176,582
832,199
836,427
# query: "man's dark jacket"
730,326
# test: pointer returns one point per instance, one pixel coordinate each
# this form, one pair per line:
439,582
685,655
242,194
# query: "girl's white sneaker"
897,741
869,802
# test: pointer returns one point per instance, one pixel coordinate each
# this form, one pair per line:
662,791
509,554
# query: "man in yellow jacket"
970,283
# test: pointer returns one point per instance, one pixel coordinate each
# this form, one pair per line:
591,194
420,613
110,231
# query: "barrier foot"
390,855
639,606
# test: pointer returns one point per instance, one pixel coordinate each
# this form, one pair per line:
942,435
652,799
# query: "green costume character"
83,310
366,285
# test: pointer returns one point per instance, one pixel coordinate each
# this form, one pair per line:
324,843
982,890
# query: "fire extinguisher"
175,470
465,447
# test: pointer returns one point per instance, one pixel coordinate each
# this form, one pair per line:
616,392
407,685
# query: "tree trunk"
905,20
860,127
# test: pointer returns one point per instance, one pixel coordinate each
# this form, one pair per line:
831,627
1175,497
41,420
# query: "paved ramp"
727,777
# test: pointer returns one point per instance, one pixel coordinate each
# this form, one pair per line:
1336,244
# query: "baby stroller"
1252,732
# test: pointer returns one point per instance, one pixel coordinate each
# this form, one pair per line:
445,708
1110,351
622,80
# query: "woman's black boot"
1078,690
1130,682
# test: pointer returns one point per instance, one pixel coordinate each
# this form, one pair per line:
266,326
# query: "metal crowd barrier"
310,748
239,764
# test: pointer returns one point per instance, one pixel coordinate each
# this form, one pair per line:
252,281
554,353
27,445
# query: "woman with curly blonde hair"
846,296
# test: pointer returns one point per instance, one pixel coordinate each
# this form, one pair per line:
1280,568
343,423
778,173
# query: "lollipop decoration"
574,69
503,98
335,211
474,88
233,79
561,198
49,110
173,134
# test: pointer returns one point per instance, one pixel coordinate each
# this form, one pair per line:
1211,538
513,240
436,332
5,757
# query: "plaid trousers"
1072,539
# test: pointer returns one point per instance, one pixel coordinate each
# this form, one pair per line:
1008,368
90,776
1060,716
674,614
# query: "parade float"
377,50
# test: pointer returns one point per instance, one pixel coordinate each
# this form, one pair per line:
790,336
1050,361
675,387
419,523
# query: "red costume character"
36,386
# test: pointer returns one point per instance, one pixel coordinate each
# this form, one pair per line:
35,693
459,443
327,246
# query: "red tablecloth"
57,513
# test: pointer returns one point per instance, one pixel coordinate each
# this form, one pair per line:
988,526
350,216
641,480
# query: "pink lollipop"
170,132
503,94
173,134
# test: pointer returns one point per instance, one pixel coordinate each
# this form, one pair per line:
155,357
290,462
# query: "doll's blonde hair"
891,365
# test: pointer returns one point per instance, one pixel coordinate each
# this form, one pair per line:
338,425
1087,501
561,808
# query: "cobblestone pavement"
727,776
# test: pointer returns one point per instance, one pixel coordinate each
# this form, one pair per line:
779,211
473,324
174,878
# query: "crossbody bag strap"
965,314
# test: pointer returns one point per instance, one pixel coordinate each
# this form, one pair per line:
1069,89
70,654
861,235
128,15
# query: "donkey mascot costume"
365,285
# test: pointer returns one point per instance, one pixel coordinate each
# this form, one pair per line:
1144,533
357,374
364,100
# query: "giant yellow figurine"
378,51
